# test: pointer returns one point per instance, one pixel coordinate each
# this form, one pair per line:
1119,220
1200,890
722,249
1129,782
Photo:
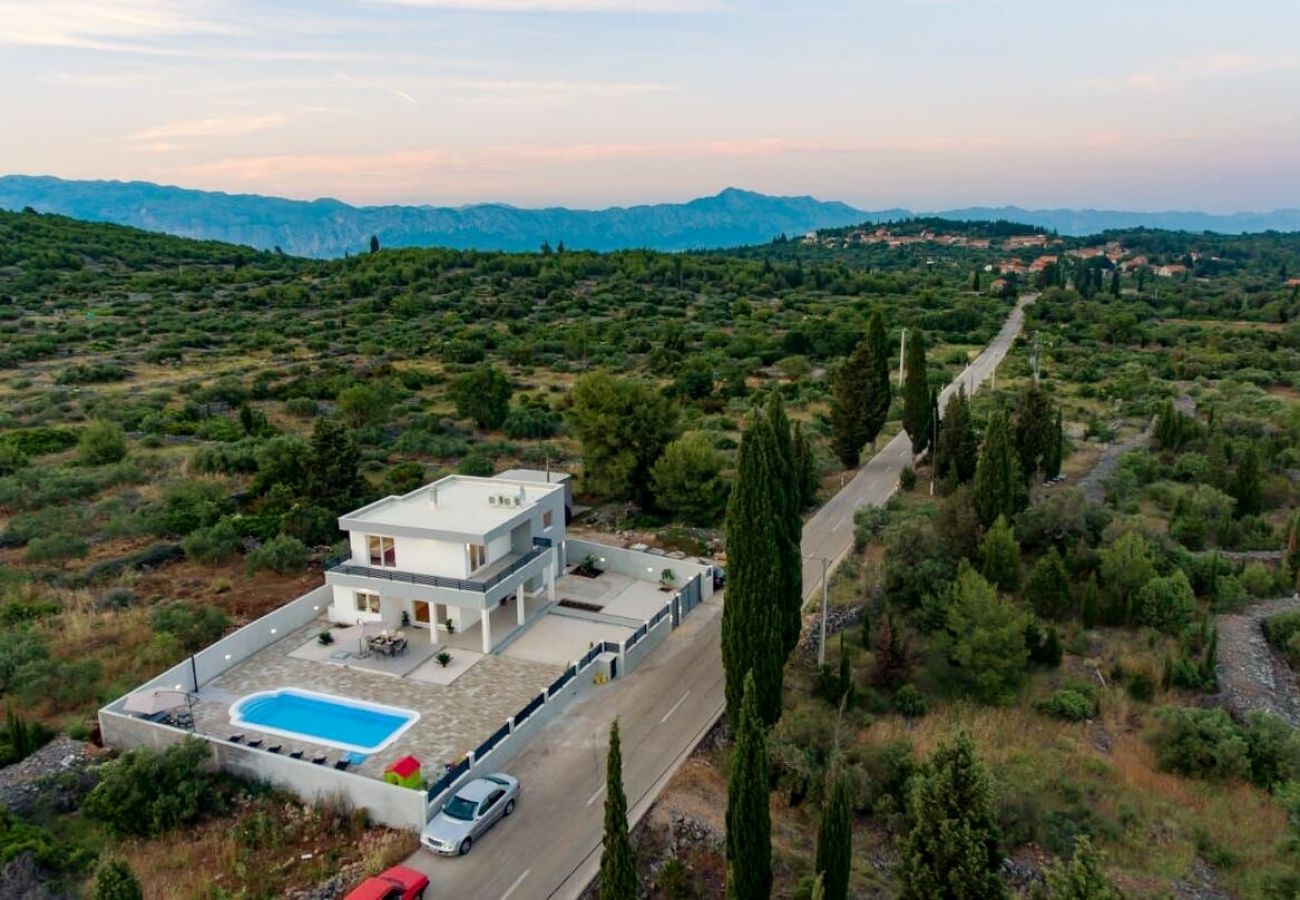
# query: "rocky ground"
1251,675
57,775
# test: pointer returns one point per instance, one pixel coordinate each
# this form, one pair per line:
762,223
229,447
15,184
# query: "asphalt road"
550,847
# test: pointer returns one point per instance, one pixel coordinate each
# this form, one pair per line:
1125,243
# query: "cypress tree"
752,617
789,525
1000,556
1245,485
1048,588
951,850
876,404
749,824
835,836
617,861
1034,423
805,467
1055,453
849,406
916,393
999,488
958,446
1090,610
333,481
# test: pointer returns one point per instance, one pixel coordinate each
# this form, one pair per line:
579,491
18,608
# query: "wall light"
316,608
227,656
272,631
179,688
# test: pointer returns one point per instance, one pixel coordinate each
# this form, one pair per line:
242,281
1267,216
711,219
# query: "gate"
691,595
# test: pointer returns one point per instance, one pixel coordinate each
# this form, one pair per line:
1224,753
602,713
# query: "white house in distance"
449,552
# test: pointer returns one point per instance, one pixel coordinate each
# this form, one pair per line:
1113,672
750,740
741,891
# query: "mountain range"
331,228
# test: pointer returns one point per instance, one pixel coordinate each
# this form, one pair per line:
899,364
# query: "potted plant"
443,658
450,626
589,567
325,638
666,579
406,619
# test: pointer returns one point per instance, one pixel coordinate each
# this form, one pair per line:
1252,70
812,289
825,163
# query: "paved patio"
559,639
454,718
616,595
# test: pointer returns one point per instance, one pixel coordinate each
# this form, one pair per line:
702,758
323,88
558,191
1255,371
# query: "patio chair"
255,743
296,754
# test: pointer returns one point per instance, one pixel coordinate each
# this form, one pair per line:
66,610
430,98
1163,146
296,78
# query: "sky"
926,104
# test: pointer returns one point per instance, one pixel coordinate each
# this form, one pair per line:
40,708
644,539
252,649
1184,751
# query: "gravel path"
1094,483
1251,676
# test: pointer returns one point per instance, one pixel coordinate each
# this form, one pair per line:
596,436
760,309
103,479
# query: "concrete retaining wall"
634,655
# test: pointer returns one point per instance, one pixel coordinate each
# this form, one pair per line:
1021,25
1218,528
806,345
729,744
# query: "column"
487,630
519,603
550,582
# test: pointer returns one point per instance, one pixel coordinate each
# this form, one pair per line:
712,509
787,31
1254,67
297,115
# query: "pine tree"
617,861
753,616
999,487
1000,556
958,446
1081,878
951,850
1034,422
749,824
916,393
333,481
876,403
834,855
789,524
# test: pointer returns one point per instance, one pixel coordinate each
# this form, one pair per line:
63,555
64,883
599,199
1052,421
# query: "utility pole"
1034,351
902,347
821,642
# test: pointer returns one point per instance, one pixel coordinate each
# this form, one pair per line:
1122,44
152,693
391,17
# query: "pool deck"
454,718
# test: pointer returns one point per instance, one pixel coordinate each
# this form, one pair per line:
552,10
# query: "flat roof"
456,505
535,475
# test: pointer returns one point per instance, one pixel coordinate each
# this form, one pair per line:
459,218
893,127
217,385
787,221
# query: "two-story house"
447,554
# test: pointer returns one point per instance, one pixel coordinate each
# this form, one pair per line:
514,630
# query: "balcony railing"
456,584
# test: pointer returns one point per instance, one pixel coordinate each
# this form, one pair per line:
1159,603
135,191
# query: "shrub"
214,544
101,443
910,702
301,407
282,555
56,548
147,793
907,479
868,523
20,739
116,881
1166,603
1274,749
1229,594
532,421
1202,743
476,464
1068,704
193,627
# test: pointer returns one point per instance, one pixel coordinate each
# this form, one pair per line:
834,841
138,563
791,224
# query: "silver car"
471,811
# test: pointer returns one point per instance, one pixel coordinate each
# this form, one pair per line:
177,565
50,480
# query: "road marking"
600,790
518,881
674,709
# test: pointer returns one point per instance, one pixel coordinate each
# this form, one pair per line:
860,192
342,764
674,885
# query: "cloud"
113,25
1177,72
563,6
232,126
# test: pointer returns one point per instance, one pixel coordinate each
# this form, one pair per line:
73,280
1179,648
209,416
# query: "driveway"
551,846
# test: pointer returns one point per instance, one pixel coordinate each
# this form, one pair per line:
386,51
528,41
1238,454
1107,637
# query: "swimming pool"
323,719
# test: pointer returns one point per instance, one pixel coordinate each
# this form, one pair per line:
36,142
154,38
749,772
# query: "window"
490,802
383,552
477,556
547,518
367,602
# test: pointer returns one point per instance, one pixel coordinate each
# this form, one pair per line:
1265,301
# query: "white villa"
447,554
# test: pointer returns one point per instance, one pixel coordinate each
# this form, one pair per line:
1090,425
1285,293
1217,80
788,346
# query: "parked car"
397,883
474,808
719,578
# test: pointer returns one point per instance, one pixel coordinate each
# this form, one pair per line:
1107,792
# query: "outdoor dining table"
388,645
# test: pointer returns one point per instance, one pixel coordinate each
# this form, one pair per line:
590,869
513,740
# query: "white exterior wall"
420,555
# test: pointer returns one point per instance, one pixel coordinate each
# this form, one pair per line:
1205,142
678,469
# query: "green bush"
907,479
214,544
282,554
868,523
193,627
1283,632
1068,704
146,793
101,443
55,548
301,407
1274,749
1202,743
116,881
910,702
1229,594
476,465
19,738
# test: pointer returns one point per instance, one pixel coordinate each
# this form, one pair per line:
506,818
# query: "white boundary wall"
638,564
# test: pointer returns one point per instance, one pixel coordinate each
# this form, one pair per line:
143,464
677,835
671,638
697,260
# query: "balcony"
495,574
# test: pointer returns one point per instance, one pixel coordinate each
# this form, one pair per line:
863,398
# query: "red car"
398,883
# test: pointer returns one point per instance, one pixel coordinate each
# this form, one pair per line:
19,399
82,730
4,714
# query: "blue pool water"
337,721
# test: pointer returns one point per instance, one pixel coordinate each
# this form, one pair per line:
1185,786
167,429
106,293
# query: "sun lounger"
274,748
319,760
255,743
297,754
341,764
237,738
